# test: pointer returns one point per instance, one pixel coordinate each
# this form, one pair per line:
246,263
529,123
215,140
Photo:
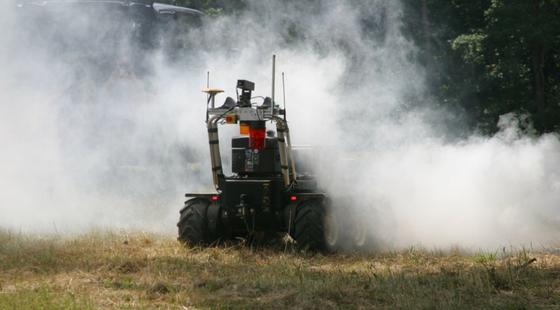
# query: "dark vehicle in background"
109,34
103,57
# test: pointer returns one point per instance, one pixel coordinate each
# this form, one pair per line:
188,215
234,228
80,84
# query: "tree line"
484,58
491,57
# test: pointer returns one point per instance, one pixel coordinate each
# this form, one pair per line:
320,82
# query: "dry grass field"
147,271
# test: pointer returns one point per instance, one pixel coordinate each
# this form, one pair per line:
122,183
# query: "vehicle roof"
160,8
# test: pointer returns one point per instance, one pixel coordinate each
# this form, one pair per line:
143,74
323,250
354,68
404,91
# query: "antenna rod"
273,83
284,94
208,97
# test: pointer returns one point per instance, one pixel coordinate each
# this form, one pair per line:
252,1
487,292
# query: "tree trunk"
426,28
538,68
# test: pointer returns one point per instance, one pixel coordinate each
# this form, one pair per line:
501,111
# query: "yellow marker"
231,118
243,128
212,91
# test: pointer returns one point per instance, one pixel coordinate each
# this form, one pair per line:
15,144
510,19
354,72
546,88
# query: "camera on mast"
246,87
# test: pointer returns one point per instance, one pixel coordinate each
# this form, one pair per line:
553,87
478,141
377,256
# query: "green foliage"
493,57
470,46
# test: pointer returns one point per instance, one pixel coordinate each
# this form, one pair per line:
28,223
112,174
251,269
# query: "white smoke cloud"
354,91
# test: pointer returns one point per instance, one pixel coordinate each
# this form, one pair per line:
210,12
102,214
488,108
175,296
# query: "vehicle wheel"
309,226
193,223
359,235
333,231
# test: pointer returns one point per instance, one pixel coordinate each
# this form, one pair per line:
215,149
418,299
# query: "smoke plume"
87,143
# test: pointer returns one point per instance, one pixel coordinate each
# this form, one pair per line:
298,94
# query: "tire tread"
193,223
309,226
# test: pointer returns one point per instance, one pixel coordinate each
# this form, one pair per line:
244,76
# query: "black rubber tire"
193,223
309,228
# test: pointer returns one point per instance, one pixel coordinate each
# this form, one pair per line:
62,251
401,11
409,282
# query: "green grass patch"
42,297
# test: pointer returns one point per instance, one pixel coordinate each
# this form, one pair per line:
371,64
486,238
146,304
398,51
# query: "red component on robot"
257,135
